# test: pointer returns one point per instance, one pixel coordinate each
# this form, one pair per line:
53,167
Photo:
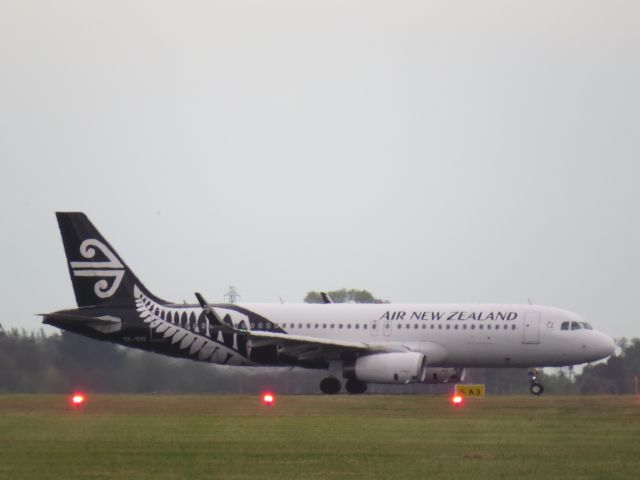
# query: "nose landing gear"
535,387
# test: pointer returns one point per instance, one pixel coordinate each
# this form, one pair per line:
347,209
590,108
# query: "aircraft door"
531,331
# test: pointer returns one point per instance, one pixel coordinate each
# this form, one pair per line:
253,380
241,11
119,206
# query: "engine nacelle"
401,367
444,375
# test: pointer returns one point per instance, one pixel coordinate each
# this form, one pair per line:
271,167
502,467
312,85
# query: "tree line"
38,363
32,362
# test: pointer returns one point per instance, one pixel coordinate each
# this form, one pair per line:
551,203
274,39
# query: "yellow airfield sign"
469,390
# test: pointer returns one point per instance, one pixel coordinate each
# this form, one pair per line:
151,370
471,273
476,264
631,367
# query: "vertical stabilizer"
98,274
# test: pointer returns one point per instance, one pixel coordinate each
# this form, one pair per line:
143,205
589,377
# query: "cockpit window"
575,326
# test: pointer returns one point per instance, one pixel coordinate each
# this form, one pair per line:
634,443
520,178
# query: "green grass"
318,437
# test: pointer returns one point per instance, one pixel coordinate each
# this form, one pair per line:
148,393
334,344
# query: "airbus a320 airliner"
373,343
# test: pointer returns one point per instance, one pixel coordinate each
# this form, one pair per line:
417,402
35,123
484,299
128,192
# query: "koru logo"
112,268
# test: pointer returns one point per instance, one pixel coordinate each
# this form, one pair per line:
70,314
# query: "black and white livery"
379,343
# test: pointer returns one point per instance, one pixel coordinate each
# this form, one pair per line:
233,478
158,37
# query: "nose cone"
605,345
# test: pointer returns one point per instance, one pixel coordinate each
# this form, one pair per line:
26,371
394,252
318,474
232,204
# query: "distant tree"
313,297
59,363
345,296
617,374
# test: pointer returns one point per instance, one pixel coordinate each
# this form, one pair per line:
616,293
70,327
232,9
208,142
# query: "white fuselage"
451,335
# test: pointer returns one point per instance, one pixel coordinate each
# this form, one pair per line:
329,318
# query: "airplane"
363,343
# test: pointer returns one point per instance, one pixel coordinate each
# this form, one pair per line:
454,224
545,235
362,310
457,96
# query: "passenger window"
440,327
399,326
364,327
357,326
464,326
448,327
339,325
473,326
480,327
432,326
505,326
324,325
408,326
513,327
348,325
424,326
333,325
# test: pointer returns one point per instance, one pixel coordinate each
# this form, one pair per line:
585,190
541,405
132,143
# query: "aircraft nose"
606,345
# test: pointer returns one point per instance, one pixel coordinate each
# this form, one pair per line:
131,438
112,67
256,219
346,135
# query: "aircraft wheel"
330,385
355,386
536,388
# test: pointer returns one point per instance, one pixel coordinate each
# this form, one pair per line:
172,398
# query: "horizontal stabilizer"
104,324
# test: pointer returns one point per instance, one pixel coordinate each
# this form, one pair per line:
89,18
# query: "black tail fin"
98,274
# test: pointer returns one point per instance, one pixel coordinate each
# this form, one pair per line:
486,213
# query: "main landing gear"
355,386
535,387
331,386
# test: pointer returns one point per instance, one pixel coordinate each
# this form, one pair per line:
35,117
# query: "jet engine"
445,375
401,367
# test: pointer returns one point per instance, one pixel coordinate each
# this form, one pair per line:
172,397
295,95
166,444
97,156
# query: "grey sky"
426,151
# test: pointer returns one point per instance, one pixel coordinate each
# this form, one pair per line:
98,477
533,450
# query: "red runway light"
268,399
77,399
457,400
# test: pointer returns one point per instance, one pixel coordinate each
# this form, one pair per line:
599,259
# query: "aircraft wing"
313,348
302,347
270,338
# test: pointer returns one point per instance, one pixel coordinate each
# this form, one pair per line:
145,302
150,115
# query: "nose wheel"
535,387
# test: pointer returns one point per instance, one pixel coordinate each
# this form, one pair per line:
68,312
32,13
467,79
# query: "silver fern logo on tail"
112,268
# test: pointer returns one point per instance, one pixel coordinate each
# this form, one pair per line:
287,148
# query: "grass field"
319,437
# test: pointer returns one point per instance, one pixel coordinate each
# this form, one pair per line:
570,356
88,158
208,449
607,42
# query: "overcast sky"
449,151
